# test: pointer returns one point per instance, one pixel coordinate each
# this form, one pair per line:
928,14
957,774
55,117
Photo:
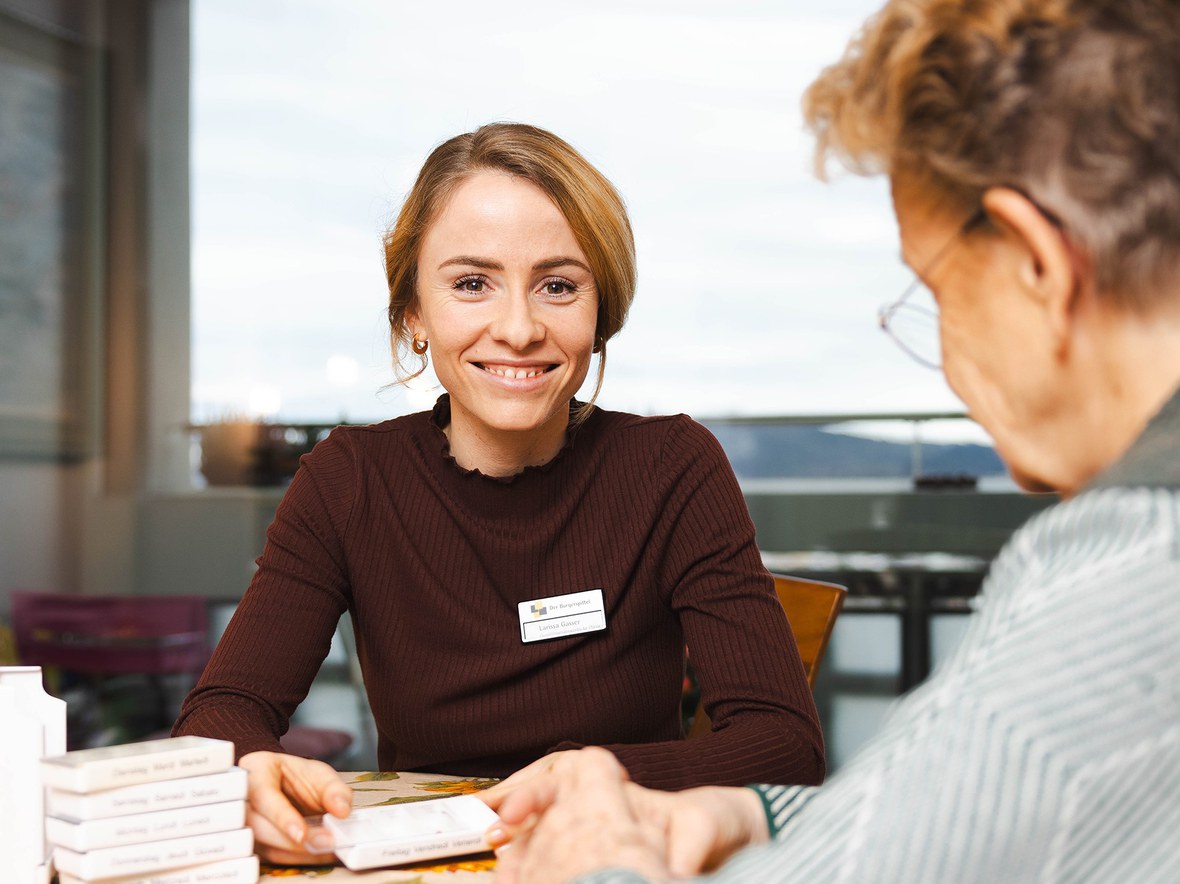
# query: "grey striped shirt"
1046,748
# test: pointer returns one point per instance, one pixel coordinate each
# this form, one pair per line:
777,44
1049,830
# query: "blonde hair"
589,202
1074,102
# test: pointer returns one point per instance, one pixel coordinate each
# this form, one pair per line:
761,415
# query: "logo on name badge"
561,615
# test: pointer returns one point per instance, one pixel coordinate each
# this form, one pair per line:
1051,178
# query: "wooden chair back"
811,607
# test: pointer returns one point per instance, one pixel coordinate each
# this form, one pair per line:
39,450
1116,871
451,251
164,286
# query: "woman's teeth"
514,373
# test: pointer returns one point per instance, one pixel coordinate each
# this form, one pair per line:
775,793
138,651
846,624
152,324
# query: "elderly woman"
1033,147
523,571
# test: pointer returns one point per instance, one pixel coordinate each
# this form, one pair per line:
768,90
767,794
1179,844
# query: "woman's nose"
517,323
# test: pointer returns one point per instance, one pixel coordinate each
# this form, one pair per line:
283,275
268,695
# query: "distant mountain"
769,451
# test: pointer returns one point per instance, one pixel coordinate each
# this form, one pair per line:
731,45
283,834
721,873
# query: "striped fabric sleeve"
781,803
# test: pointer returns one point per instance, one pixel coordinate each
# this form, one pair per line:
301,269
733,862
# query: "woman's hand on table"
582,814
281,790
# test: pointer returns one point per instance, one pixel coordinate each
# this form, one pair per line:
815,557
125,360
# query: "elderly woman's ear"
1045,267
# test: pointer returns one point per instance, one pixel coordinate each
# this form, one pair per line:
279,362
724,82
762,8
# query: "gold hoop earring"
419,346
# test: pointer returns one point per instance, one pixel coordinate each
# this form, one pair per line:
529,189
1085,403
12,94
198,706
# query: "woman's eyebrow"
471,261
553,263
489,264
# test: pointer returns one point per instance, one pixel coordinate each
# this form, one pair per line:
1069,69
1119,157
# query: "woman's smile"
515,372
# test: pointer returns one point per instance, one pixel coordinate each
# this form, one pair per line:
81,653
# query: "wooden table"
399,788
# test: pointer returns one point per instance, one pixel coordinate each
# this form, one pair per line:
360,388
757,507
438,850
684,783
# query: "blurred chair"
323,743
116,649
811,607
110,654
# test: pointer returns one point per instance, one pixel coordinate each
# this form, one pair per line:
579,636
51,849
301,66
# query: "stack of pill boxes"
167,811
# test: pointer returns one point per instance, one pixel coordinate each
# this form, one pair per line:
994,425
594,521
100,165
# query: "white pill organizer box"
371,837
90,770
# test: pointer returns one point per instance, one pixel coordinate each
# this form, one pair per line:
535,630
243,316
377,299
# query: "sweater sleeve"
282,630
765,725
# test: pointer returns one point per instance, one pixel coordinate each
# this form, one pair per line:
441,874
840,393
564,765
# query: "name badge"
562,615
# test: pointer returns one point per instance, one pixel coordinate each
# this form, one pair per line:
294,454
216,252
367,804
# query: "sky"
758,284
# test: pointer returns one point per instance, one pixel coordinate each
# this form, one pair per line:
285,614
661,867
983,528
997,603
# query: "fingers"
591,764
528,799
336,795
584,797
533,791
276,847
524,795
707,825
268,801
508,858
586,804
280,857
519,810
692,841
495,796
314,787
687,830
282,788
544,766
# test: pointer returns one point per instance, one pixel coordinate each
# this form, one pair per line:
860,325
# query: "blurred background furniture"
811,607
124,664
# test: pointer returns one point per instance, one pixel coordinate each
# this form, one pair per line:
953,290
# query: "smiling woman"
579,209
483,263
508,304
523,571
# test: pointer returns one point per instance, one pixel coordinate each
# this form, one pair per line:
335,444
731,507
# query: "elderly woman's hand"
581,814
542,767
571,819
283,789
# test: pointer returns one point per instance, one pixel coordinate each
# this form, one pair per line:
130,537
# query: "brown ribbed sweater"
431,560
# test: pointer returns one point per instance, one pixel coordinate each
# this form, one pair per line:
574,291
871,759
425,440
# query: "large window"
758,284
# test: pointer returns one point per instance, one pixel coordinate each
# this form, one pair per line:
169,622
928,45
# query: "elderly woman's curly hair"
1074,102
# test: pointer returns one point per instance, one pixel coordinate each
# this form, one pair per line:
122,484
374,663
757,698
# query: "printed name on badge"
562,615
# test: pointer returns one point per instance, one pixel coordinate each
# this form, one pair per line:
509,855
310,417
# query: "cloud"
758,285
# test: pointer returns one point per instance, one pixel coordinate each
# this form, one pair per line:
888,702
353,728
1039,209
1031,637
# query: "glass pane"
757,282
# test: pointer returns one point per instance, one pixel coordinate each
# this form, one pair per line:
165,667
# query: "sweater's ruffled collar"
440,419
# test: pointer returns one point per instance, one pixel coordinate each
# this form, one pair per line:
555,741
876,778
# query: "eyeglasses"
912,320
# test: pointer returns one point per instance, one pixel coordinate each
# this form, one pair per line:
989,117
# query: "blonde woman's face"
508,304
